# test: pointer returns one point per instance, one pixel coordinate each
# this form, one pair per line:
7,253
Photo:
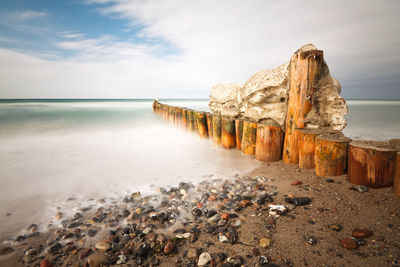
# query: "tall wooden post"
249,137
371,163
201,123
269,141
239,133
209,124
304,70
396,183
331,154
228,137
191,120
184,118
216,129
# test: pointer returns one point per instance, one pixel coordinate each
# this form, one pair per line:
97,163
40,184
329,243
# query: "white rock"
276,210
204,258
223,239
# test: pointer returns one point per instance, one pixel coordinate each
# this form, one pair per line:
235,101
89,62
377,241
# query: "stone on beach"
204,258
96,260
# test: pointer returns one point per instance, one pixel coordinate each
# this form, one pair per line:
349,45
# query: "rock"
121,259
96,260
31,251
144,250
92,232
192,254
297,182
349,243
223,238
58,216
196,212
225,99
46,263
265,242
169,247
54,248
298,201
335,227
312,240
328,180
256,252
125,251
204,258
276,210
85,253
361,233
135,195
6,250
103,245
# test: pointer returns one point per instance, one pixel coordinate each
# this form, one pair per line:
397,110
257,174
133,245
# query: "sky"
181,48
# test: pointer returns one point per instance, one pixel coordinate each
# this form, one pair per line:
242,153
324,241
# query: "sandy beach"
180,226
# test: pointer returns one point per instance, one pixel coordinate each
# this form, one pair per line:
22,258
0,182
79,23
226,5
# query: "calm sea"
51,150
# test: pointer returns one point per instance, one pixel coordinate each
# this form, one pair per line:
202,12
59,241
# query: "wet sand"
308,235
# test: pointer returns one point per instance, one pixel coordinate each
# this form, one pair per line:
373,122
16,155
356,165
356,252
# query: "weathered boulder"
225,99
265,96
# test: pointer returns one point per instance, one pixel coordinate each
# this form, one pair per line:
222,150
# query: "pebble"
298,201
192,254
362,233
223,238
92,232
297,182
58,216
96,260
265,242
169,247
103,245
335,227
256,252
6,250
328,180
349,243
54,248
204,259
46,263
121,259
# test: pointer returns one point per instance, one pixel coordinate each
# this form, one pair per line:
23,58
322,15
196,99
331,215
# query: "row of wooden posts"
329,153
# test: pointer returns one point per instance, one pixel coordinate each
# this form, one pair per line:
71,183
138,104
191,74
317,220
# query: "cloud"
27,15
199,43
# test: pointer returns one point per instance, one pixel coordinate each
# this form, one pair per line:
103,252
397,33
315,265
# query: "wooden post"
269,141
201,123
331,154
239,133
184,118
191,120
307,148
371,163
396,183
216,129
304,70
209,124
249,137
228,137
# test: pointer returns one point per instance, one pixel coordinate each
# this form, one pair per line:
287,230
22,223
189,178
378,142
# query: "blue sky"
180,48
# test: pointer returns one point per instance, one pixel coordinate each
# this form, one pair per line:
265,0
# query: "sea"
55,150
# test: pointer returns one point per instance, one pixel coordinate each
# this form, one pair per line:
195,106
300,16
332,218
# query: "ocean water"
51,150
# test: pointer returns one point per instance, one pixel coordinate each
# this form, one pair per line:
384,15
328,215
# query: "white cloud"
222,41
27,15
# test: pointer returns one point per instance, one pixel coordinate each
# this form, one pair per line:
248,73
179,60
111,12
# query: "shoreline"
248,220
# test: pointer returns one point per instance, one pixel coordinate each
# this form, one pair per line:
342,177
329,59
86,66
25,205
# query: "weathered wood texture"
239,133
249,137
396,182
304,71
228,137
184,118
307,148
209,124
269,141
216,129
372,164
191,120
201,124
331,154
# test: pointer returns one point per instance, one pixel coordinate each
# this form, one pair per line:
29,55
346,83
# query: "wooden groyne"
330,153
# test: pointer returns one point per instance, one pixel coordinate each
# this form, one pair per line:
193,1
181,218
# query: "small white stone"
223,239
204,259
